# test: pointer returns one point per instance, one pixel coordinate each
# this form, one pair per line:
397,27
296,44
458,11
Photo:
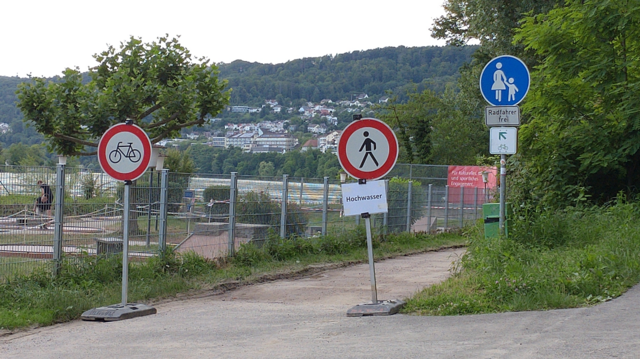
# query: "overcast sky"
43,37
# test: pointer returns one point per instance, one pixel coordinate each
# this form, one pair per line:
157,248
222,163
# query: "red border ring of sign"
391,139
146,152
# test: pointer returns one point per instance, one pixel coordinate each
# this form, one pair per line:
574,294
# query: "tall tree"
584,135
434,128
491,22
158,85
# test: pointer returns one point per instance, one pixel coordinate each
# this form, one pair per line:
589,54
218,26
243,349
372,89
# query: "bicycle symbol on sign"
503,147
129,152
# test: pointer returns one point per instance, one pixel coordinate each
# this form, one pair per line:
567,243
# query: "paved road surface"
306,318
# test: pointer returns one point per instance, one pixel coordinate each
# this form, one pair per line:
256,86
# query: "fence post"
461,206
429,209
233,197
148,242
446,207
57,235
409,190
325,206
285,197
385,215
164,195
475,203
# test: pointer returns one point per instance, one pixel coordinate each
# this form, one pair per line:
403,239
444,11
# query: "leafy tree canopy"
583,138
158,85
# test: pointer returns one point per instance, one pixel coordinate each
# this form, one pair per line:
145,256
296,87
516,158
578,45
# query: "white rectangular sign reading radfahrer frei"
364,198
502,116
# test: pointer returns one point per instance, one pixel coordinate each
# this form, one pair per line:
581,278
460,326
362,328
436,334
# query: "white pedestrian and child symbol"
501,83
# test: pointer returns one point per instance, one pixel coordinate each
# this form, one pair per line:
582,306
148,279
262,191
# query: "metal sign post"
372,268
503,187
368,150
125,242
124,153
504,82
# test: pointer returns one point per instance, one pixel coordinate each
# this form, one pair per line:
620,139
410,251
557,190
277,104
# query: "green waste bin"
491,216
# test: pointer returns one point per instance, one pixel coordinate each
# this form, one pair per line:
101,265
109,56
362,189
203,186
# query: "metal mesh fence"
202,213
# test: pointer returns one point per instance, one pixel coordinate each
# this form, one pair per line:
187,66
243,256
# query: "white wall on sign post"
364,198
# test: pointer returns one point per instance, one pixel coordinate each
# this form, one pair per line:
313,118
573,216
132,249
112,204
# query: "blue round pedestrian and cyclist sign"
505,81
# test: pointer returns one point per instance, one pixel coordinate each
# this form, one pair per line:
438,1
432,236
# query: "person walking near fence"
43,203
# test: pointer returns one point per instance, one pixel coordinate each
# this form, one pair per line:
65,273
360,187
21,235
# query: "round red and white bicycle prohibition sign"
368,149
124,152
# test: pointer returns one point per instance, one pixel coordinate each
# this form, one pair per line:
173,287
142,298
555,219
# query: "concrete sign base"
382,307
118,312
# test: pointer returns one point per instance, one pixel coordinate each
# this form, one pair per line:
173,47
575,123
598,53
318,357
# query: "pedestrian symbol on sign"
367,144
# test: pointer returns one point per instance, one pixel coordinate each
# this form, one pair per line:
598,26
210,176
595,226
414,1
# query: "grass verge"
38,299
570,258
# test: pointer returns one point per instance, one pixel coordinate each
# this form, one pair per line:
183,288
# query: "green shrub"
249,255
258,208
397,203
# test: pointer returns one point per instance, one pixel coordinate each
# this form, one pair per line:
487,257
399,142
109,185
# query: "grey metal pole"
164,195
429,208
325,206
285,197
233,197
372,268
475,203
125,242
59,208
461,206
409,190
385,215
503,186
446,207
149,209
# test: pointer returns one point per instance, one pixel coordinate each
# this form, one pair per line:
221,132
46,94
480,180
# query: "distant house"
311,144
271,102
240,109
332,120
284,141
277,108
383,99
306,110
238,140
322,128
216,142
264,149
362,96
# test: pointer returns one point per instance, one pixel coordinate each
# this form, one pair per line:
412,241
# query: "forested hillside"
338,77
335,77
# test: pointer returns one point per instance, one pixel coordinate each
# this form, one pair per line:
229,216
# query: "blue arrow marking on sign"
502,135
505,81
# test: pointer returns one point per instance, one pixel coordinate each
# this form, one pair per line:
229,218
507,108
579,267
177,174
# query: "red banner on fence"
470,177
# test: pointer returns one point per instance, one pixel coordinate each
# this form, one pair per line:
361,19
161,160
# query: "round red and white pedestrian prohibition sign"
368,149
124,152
